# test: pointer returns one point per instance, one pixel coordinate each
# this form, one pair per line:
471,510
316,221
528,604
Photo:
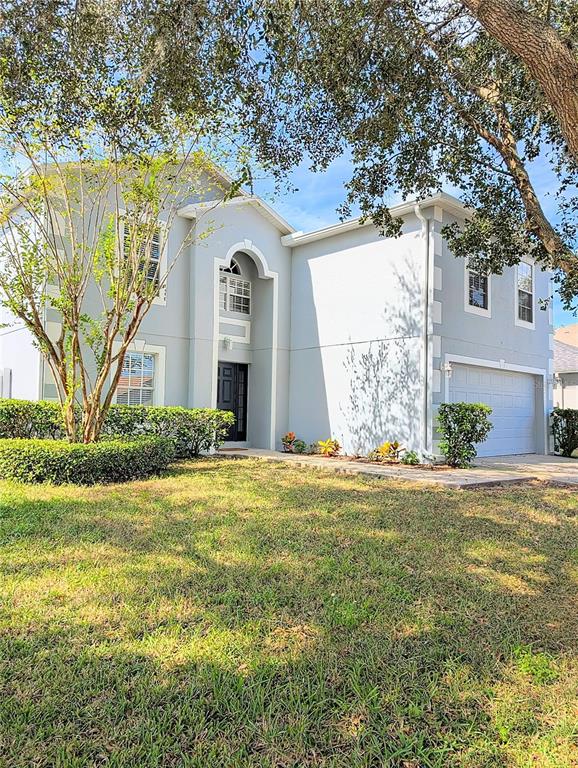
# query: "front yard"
238,613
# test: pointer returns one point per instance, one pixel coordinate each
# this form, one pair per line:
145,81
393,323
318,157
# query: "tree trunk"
70,420
94,422
549,59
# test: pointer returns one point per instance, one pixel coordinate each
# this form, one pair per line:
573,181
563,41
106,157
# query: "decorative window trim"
524,323
161,299
233,268
480,311
160,366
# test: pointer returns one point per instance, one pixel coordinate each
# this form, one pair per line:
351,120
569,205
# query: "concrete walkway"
486,473
554,469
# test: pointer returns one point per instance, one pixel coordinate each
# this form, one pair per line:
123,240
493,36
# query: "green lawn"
238,613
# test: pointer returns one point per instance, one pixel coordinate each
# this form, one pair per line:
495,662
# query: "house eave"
441,199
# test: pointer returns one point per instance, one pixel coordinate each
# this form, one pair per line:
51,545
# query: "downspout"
425,329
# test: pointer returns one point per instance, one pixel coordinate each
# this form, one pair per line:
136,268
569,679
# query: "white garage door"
512,397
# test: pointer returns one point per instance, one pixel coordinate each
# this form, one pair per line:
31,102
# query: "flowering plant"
288,441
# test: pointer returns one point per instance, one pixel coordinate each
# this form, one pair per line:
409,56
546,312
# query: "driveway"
555,469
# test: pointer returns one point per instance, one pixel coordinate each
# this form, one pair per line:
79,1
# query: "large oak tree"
479,95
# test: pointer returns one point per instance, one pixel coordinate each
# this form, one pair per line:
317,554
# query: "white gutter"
425,329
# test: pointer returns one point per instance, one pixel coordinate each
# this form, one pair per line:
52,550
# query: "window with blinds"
239,295
525,284
478,290
136,385
153,262
234,291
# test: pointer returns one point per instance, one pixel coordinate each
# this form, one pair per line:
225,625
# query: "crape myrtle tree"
83,241
94,170
479,95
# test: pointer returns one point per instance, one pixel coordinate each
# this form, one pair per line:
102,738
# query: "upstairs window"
239,293
153,258
234,291
525,288
136,385
478,290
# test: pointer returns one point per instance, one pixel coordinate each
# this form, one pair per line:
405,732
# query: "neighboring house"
338,332
565,369
567,334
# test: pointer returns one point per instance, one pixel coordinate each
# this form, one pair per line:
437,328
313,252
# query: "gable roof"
191,211
565,357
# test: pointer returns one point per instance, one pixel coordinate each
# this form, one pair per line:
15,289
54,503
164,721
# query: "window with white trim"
525,288
478,290
234,291
153,260
136,385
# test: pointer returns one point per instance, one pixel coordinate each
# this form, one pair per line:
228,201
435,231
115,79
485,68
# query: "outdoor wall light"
447,368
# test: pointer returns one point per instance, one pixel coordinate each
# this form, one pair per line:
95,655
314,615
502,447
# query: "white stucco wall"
356,339
20,359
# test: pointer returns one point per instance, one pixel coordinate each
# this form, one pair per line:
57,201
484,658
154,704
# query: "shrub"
329,447
461,426
299,446
565,430
388,451
192,430
410,457
27,419
58,461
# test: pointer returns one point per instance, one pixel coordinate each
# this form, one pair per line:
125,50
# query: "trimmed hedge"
192,430
58,461
565,430
26,419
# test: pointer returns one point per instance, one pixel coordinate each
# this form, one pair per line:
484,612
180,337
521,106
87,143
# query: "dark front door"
232,396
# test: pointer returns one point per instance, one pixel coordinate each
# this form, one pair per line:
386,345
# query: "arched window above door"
234,291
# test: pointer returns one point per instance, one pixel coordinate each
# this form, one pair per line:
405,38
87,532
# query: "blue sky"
316,199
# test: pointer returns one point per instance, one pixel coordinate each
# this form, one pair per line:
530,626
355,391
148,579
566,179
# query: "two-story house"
336,332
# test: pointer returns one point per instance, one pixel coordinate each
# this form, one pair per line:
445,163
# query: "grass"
237,613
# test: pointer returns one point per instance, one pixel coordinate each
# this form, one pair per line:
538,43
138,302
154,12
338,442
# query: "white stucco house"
336,332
